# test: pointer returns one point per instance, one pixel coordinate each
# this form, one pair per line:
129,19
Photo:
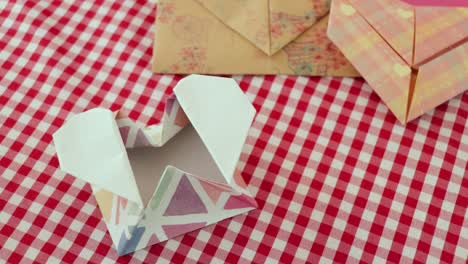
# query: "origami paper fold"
157,182
414,57
446,3
246,37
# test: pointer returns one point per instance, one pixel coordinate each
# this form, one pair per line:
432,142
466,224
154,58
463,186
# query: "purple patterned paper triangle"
141,140
185,200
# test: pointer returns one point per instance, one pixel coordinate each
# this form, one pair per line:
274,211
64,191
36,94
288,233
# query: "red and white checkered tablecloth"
336,177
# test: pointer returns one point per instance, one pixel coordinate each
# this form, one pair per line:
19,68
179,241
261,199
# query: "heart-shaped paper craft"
172,178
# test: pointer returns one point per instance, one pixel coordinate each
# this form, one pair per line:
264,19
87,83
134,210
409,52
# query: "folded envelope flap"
268,24
89,146
438,29
289,19
393,20
220,113
435,86
385,71
416,33
248,18
434,3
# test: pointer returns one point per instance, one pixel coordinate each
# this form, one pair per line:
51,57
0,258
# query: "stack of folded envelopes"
414,57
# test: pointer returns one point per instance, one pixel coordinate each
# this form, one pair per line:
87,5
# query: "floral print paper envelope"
414,57
246,37
157,182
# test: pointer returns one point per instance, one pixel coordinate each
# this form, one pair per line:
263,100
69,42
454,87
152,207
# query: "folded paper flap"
92,146
248,18
136,135
221,114
268,24
438,3
438,30
289,20
189,38
362,31
89,146
434,86
191,191
182,202
393,20
383,69
419,33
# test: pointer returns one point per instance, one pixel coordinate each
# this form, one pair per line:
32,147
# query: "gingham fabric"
336,177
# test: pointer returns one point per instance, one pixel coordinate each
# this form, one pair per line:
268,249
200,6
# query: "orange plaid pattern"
367,51
439,80
378,36
437,29
393,20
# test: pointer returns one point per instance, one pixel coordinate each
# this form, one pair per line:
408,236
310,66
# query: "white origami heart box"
157,182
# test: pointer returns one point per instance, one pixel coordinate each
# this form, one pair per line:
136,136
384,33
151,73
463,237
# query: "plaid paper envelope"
414,57
157,182
246,37
446,3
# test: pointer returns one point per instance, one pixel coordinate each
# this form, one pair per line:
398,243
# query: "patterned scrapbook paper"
182,203
437,30
250,37
383,69
289,20
268,24
444,3
393,20
248,18
412,70
434,85
336,177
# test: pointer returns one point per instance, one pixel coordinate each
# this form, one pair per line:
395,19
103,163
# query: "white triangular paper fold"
223,123
89,147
